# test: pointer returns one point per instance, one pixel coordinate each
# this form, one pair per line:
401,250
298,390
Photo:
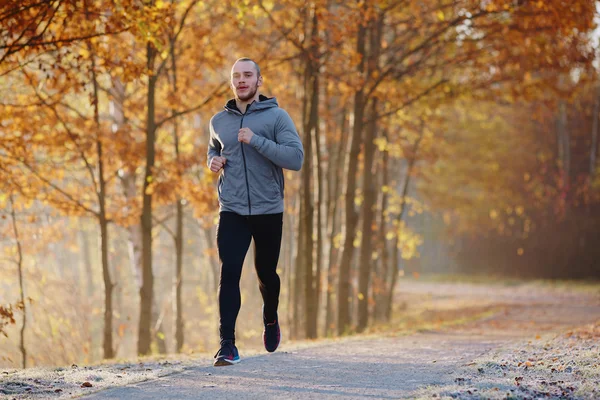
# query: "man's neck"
242,105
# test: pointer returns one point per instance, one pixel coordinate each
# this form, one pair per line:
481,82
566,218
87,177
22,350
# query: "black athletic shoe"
271,336
227,354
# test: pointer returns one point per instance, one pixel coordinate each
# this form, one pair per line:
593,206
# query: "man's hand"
217,163
245,135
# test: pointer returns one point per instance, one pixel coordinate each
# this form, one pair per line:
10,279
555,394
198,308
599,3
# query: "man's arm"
286,151
214,146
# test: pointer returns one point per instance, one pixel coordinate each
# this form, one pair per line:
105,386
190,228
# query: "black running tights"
234,234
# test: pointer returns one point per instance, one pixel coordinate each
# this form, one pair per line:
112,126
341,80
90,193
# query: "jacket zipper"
245,168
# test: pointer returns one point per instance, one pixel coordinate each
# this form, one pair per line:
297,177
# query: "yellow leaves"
358,199
491,7
357,240
337,240
493,214
381,143
440,15
519,210
408,241
83,51
520,251
269,5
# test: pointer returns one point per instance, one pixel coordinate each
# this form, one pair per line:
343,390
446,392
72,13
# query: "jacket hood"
263,103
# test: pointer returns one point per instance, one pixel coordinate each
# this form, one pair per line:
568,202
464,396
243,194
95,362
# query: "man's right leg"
233,241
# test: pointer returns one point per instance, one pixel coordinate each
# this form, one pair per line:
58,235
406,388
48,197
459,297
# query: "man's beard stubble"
250,94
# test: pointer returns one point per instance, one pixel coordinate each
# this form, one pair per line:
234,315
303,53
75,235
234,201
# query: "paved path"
378,367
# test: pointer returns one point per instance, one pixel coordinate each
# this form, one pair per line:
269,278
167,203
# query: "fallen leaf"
86,384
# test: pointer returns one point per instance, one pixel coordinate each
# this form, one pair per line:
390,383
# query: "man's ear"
260,81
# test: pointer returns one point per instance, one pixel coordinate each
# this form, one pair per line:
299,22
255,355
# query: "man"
250,142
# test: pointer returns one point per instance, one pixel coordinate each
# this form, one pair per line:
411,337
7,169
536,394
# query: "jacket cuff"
256,141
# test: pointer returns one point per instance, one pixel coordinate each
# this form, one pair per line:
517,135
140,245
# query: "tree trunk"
178,284
293,277
335,179
305,233
147,288
351,216
21,283
564,145
594,145
298,274
311,130
369,190
383,263
102,218
396,251
368,208
108,289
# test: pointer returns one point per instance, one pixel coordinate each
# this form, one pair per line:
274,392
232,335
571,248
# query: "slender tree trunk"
369,189
382,240
299,271
102,218
147,288
311,131
22,348
289,261
351,216
335,180
319,249
306,224
594,145
564,144
178,284
293,277
108,289
396,251
368,219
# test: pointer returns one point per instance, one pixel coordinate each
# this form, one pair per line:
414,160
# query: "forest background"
452,137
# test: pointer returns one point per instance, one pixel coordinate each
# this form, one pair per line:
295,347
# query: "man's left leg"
267,232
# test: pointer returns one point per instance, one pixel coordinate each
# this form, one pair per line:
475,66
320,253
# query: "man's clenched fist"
245,135
217,163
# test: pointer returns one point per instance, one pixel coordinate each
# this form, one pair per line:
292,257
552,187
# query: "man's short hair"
252,61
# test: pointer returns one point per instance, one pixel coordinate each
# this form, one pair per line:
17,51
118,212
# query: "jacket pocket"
264,187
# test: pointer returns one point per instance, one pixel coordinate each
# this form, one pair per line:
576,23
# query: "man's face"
244,80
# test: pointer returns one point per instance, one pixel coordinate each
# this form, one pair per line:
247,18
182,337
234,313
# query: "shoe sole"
222,362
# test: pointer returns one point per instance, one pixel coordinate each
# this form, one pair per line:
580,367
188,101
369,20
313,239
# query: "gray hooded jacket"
251,182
